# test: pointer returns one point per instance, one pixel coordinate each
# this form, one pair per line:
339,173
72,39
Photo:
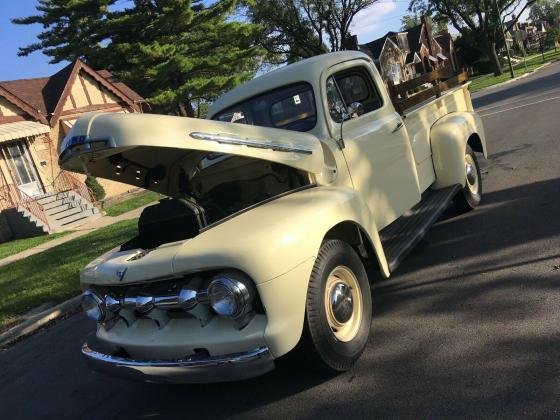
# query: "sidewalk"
79,231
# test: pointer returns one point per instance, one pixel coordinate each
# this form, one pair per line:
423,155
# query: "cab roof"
307,70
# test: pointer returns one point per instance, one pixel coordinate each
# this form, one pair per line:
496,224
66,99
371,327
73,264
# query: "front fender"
449,136
276,245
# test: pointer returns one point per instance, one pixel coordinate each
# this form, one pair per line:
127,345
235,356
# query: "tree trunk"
493,57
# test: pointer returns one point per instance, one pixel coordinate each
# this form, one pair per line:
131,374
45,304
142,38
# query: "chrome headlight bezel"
229,297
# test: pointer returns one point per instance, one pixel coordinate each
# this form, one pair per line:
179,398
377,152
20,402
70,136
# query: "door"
376,144
22,168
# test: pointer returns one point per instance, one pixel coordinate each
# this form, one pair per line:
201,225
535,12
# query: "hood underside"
146,150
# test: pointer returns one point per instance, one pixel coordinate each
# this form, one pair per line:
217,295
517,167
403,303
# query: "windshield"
291,108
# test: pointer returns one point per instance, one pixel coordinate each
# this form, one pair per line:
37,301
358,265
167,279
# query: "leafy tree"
550,38
296,29
176,53
482,18
547,10
410,21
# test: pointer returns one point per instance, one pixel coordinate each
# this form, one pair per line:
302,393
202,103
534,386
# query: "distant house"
404,55
36,196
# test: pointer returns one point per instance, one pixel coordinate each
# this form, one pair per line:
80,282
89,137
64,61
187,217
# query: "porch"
32,202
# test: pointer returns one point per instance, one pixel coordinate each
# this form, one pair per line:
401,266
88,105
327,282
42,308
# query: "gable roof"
376,46
22,104
45,96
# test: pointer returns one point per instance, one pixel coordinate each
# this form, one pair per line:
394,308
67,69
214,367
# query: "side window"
356,85
336,105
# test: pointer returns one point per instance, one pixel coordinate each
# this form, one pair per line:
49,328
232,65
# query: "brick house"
36,196
404,55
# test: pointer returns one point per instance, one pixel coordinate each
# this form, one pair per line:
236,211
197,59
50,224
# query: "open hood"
144,149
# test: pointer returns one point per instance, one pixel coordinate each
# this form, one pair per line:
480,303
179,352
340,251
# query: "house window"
22,169
394,73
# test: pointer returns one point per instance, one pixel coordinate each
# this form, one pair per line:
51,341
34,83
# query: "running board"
403,234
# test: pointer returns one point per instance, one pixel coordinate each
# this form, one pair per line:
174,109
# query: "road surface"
468,327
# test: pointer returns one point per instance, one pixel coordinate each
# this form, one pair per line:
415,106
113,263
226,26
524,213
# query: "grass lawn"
13,247
53,275
132,203
519,69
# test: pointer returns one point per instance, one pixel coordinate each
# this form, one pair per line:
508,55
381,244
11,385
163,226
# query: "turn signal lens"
93,305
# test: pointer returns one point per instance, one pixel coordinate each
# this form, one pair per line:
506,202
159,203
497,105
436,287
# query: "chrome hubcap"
343,303
471,174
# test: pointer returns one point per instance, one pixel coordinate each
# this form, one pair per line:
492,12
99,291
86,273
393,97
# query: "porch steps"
67,210
63,211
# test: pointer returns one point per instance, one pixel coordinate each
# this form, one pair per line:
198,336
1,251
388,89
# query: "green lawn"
13,247
132,203
519,69
53,275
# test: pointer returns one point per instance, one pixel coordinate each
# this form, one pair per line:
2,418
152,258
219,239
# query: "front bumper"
229,367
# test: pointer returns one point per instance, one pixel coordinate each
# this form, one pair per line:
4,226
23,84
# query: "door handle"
398,127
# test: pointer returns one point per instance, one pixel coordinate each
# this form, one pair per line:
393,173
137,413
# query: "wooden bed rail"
403,95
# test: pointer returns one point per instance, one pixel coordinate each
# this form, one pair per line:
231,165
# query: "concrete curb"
515,79
37,321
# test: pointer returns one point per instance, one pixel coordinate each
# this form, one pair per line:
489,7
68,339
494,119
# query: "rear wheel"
338,308
471,194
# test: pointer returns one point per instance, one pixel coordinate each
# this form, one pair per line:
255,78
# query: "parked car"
277,203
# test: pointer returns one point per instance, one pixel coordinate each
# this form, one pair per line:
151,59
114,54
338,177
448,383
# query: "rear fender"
449,138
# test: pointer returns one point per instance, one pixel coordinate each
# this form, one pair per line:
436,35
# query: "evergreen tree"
176,53
71,28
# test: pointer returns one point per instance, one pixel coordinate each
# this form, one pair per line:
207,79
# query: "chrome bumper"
229,367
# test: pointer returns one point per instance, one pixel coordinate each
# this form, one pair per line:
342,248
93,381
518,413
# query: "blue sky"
372,23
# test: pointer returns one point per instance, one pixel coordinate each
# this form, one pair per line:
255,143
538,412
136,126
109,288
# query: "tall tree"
410,21
71,28
296,29
481,18
548,10
176,53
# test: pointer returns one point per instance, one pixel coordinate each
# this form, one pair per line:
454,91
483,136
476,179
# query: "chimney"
351,42
427,22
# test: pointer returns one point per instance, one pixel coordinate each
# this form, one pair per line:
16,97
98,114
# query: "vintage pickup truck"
297,182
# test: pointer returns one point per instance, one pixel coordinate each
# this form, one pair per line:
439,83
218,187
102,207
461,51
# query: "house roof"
107,75
45,96
376,46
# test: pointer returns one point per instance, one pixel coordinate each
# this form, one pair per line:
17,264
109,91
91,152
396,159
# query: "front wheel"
469,197
338,308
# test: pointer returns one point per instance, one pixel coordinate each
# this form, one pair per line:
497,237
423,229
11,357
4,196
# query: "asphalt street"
469,326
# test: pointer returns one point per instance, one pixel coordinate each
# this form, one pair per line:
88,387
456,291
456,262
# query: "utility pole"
503,32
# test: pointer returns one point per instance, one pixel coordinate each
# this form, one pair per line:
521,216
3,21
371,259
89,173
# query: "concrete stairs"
67,210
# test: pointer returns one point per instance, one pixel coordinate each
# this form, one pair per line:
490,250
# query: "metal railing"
11,196
65,181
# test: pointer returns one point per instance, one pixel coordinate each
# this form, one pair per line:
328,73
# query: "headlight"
93,305
228,297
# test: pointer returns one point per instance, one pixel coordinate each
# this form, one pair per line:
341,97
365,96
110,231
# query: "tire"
471,194
335,336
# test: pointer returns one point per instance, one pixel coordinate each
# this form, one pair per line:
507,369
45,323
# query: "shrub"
95,187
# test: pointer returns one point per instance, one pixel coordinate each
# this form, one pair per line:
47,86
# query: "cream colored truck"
296,183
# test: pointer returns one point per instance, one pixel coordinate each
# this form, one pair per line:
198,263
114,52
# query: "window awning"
21,129
443,57
431,57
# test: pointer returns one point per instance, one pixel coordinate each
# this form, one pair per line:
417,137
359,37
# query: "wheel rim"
471,174
343,303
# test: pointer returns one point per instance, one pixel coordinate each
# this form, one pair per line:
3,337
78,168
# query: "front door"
22,168
377,148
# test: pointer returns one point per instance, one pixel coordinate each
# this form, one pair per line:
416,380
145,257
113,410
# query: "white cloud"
371,18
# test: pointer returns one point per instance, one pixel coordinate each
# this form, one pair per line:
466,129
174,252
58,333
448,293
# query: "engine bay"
214,189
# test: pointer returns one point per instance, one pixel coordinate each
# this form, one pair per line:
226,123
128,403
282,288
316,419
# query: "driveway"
468,327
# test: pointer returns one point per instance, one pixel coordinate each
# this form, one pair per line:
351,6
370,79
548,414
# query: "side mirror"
355,109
